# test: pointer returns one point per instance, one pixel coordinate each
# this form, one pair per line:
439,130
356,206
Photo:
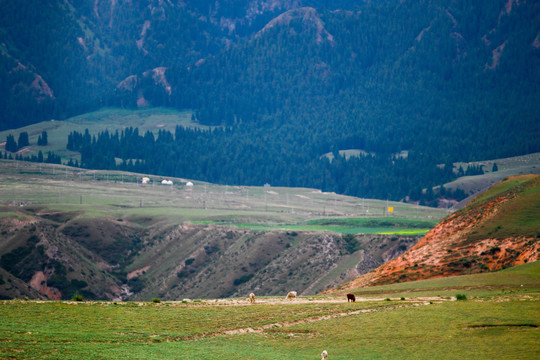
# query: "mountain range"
289,81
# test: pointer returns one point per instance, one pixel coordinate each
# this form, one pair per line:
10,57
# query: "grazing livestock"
291,295
351,297
252,298
324,355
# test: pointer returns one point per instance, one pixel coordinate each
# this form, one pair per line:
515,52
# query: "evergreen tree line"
48,158
230,156
14,146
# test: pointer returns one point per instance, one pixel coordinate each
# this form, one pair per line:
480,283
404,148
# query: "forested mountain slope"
438,80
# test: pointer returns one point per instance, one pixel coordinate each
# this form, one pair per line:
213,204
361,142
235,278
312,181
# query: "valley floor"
502,326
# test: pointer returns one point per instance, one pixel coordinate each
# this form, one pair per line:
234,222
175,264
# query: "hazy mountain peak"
308,17
259,7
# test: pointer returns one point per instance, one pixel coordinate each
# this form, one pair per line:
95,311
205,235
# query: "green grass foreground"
502,328
500,322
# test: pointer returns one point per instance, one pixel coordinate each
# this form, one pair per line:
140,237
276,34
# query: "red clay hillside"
498,229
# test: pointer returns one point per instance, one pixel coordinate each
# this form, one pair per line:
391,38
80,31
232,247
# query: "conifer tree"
23,140
42,139
11,145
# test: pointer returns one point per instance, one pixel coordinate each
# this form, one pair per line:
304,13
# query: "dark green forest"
205,155
443,80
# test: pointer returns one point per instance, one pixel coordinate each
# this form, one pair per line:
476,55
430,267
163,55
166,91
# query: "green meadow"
499,319
28,188
372,225
111,119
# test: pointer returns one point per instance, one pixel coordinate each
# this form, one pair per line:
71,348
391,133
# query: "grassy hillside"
498,229
111,119
518,279
517,165
498,319
520,213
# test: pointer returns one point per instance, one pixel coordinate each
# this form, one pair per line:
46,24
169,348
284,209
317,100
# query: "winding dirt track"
278,325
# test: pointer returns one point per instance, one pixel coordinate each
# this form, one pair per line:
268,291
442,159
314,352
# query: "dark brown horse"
351,297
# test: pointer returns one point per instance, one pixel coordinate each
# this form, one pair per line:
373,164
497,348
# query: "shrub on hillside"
243,279
136,284
352,244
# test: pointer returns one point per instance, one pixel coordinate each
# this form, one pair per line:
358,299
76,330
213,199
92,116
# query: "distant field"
518,165
499,319
111,119
368,225
114,194
348,153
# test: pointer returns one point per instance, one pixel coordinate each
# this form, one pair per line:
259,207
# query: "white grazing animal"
291,295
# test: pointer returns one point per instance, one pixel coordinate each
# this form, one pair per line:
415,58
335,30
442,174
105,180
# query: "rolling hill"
499,228
106,235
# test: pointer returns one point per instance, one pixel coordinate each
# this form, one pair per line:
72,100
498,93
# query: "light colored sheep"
252,298
291,295
324,355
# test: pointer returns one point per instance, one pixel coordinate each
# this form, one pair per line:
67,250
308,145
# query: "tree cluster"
14,146
231,156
